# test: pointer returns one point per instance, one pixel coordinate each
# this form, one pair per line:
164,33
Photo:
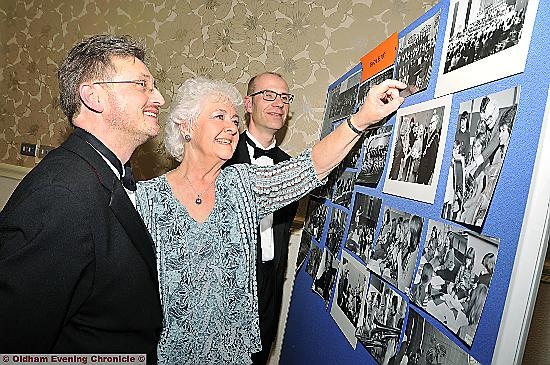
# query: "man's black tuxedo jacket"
282,220
77,265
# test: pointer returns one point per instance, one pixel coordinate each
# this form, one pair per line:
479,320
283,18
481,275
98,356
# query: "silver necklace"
198,201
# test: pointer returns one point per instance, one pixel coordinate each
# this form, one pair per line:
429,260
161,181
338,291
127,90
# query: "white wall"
537,351
287,294
10,176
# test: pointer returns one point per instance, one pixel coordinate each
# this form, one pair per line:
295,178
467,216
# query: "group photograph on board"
417,150
415,56
395,254
424,344
381,320
315,255
365,86
303,249
343,188
336,228
351,161
375,150
362,226
481,140
454,277
316,216
325,191
483,31
323,282
488,39
348,297
342,98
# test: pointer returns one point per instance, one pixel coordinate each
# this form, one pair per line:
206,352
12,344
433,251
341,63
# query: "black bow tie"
126,176
259,152
128,179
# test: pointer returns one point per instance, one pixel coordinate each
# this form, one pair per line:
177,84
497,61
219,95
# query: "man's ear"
248,104
91,97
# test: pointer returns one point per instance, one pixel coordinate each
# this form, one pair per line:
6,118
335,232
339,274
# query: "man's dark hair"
91,59
484,103
465,115
507,118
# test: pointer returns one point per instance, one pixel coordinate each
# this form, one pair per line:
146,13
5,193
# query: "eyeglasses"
270,95
142,83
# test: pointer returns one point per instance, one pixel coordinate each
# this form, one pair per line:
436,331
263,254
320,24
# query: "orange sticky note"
380,58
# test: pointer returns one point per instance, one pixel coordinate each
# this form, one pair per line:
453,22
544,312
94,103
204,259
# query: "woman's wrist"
353,127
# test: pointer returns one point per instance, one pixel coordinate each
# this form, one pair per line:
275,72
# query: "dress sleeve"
283,183
143,205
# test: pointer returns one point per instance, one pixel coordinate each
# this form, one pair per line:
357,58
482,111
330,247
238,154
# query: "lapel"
119,202
240,155
280,156
132,223
241,152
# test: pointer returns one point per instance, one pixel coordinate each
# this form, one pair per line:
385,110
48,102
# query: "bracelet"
352,127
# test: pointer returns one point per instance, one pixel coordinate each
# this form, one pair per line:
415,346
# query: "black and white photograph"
396,251
381,320
484,41
336,228
343,188
348,297
423,344
415,56
325,277
454,277
315,255
481,140
351,161
303,249
327,126
417,150
375,150
362,226
368,83
344,97
490,28
325,191
333,102
316,216
419,136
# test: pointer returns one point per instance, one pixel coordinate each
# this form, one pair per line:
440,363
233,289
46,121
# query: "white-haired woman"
204,220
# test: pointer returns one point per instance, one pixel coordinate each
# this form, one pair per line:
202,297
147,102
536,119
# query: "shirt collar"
258,144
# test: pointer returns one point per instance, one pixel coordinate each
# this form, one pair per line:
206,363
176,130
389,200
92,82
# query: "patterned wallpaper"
311,43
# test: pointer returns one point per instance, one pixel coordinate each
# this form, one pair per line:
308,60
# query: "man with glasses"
267,103
77,265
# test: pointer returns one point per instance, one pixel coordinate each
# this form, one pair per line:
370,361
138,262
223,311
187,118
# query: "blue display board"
313,337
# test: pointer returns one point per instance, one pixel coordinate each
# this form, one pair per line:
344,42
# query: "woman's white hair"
187,105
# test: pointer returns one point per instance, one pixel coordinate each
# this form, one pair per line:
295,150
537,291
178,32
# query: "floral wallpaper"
311,43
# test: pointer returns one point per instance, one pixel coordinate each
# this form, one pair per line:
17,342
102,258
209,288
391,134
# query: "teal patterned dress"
207,271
